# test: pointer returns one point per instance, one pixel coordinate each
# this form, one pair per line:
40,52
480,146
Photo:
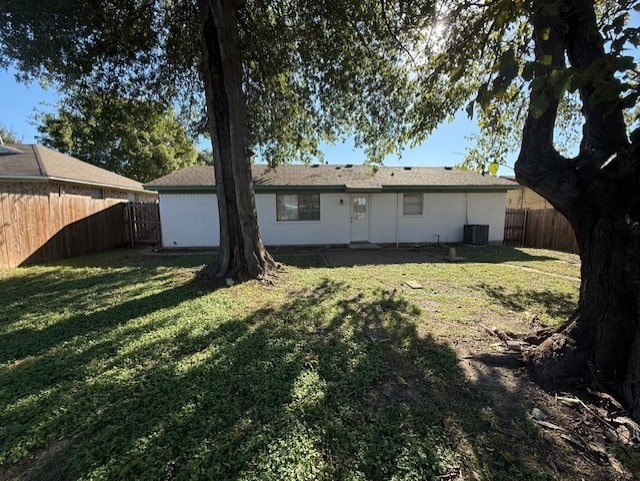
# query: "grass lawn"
116,367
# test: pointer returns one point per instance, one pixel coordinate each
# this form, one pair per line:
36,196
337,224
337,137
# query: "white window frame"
283,218
404,204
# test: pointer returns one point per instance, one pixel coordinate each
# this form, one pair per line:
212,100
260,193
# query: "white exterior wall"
332,228
382,229
443,214
191,220
489,209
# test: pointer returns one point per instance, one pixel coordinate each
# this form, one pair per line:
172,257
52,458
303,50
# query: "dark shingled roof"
38,163
339,177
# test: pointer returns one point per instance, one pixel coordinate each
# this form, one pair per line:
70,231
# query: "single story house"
338,205
54,206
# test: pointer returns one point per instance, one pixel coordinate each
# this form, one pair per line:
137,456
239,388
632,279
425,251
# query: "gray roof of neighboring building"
33,162
339,178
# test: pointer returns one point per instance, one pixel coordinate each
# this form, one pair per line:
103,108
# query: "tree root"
558,357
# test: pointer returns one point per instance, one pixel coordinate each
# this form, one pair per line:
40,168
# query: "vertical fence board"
4,230
13,249
541,228
49,220
514,226
144,221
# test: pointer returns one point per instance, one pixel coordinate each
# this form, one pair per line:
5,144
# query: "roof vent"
407,168
448,168
348,166
315,166
338,168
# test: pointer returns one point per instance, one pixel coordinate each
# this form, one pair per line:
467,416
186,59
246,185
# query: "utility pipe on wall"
397,214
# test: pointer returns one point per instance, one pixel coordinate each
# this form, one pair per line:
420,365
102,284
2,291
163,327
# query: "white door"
359,218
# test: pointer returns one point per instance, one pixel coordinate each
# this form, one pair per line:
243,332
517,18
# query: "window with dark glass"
412,204
298,206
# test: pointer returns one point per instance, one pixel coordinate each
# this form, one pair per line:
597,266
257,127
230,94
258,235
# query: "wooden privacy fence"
540,228
143,222
515,221
45,221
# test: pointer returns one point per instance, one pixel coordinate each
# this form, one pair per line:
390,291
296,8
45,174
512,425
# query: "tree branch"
539,165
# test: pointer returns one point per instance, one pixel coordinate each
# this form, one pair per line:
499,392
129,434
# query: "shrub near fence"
539,228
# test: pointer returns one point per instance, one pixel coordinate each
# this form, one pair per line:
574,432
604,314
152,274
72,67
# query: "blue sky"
19,104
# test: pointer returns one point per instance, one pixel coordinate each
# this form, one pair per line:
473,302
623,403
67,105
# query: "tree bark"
599,193
242,254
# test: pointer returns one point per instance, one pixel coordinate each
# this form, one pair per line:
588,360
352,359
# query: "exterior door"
360,218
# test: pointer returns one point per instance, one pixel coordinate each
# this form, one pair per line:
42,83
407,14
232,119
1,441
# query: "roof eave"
448,188
102,185
299,188
340,188
24,178
179,188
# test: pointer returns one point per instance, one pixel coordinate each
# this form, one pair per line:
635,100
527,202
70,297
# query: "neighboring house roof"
32,162
340,178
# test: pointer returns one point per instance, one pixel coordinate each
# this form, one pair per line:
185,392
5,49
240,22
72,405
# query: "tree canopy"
9,135
139,139
313,70
483,59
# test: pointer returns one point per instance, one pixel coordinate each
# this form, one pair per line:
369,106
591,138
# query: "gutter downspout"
397,209
466,207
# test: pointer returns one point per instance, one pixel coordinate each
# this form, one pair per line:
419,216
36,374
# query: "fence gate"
515,223
143,220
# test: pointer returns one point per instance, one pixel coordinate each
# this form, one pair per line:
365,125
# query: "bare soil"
582,433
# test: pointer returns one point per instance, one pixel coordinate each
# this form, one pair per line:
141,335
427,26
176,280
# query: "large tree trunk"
599,193
242,254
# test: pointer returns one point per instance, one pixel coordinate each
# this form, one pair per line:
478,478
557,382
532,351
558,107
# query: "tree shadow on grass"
498,254
341,257
554,304
327,385
32,341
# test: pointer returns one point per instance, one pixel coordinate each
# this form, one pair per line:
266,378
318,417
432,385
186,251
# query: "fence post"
130,210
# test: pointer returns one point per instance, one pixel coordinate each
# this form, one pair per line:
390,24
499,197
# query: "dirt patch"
50,464
572,434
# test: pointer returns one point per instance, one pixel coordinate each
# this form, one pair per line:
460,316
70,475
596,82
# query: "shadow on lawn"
320,257
497,254
556,304
324,386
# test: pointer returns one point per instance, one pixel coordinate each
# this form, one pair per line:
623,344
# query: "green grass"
116,367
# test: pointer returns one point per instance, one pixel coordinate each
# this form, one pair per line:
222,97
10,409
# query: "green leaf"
457,73
560,82
625,63
493,168
528,71
619,22
469,109
547,60
484,96
539,105
508,66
